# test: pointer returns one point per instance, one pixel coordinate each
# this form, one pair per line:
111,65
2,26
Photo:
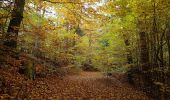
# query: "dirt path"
86,86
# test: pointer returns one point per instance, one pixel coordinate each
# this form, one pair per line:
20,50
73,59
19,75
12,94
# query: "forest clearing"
84,50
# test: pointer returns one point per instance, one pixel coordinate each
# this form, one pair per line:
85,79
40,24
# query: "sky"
50,11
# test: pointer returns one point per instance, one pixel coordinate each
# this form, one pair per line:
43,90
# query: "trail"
86,86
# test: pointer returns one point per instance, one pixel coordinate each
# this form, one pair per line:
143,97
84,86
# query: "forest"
84,49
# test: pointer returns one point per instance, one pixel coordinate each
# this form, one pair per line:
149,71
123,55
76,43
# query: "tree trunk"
168,44
129,55
30,71
154,36
13,28
169,51
161,51
161,55
144,56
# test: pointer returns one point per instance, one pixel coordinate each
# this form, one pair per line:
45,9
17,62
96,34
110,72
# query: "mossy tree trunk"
30,70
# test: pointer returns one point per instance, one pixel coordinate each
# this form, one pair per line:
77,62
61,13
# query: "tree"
14,25
144,57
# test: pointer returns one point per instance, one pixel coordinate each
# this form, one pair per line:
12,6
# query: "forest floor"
83,86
